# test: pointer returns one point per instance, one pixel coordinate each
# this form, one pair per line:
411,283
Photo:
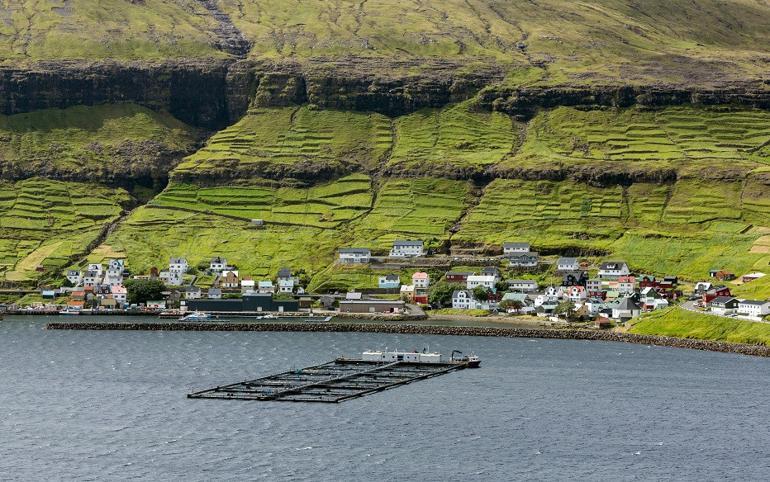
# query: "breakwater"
559,334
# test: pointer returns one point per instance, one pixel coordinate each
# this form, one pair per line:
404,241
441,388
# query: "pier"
333,382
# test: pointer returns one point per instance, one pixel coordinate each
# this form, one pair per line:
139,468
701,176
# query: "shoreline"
504,332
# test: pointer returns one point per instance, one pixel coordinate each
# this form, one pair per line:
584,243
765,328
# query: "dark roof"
284,273
174,260
531,254
457,292
612,264
392,277
457,273
218,259
721,300
490,269
753,302
403,242
566,260
520,281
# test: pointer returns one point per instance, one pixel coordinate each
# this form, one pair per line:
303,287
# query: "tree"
515,305
501,286
144,290
565,308
441,293
481,293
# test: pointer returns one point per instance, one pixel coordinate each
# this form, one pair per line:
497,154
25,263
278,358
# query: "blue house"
390,281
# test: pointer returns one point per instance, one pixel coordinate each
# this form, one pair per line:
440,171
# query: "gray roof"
372,302
754,302
354,251
566,260
457,273
531,254
392,277
457,292
177,260
214,291
522,281
403,242
218,259
627,304
284,273
515,245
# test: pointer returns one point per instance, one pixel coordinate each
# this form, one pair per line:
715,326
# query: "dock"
333,382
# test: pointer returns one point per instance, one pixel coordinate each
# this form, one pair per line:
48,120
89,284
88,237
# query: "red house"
715,292
457,276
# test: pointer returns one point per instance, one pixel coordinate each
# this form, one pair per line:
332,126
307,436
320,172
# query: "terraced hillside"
105,142
45,224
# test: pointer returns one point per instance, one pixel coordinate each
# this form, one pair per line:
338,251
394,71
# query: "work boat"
423,357
196,316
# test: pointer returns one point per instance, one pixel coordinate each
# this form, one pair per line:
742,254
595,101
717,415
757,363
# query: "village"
604,294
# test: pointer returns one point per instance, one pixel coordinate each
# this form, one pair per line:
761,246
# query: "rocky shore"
559,334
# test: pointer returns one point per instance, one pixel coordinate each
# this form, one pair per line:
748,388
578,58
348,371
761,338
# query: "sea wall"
558,334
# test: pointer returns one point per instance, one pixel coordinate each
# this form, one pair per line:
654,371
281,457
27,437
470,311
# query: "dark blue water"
111,405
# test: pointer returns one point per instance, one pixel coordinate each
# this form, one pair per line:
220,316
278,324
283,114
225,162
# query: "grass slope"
44,223
686,324
293,140
683,139
105,29
103,141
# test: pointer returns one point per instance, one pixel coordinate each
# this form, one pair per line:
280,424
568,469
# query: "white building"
74,277
178,266
463,300
354,255
92,278
114,276
421,280
406,249
524,260
486,281
218,264
724,305
248,285
192,293
96,268
511,248
625,309
265,287
613,269
525,285
753,308
286,285
567,264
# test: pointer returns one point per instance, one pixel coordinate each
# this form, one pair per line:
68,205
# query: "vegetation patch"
687,324
105,142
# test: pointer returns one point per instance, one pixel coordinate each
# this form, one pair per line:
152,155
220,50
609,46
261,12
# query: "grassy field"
686,324
99,142
44,223
297,138
685,139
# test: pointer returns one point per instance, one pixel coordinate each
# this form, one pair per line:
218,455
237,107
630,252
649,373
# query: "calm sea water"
111,405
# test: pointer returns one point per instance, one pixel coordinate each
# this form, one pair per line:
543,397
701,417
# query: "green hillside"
47,224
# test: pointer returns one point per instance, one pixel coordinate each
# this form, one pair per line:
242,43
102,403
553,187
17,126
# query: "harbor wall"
563,334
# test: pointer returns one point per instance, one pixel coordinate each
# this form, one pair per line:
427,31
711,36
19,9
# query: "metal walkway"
331,382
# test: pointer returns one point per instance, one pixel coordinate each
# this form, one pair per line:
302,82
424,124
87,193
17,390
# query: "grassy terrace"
455,137
44,223
99,141
686,228
686,139
294,138
686,324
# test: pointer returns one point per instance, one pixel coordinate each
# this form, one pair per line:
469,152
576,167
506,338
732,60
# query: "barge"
344,378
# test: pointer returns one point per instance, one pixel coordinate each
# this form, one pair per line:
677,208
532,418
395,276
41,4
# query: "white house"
421,280
652,300
354,255
567,264
178,266
577,293
218,264
95,267
406,249
511,248
625,309
525,285
486,281
214,294
463,300
613,269
724,305
248,285
114,276
74,277
286,285
92,278
524,260
753,308
119,294
265,286
192,293
229,279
